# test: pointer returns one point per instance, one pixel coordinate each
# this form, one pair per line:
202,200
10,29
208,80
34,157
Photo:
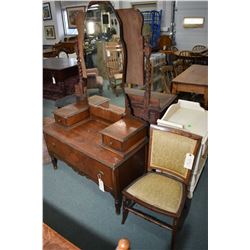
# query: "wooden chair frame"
179,217
166,78
114,65
199,47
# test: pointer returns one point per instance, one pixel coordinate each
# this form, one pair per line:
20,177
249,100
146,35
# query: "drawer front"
111,142
60,120
79,161
71,120
134,139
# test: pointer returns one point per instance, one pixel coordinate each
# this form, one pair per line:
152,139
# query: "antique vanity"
99,141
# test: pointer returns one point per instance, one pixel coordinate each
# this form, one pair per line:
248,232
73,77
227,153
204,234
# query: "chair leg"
184,213
54,161
174,232
124,209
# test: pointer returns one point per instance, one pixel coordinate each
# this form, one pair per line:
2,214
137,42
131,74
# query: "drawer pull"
100,174
110,143
53,144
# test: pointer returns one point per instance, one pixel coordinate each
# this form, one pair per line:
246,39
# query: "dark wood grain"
80,146
132,20
123,134
158,104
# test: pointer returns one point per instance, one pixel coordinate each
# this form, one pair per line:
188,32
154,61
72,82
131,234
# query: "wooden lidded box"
123,135
71,114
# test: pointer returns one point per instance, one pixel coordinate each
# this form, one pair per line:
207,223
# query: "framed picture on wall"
46,11
49,32
71,14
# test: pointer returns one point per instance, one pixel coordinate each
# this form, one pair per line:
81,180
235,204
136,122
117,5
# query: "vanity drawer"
123,134
79,161
71,114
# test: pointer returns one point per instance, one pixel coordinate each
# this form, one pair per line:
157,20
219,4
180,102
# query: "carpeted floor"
75,207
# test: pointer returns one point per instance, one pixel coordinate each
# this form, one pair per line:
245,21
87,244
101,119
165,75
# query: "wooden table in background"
55,72
193,80
50,52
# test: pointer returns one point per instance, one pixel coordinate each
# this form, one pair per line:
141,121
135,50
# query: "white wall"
186,38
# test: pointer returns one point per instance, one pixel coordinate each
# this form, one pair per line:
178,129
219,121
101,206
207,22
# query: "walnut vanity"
99,141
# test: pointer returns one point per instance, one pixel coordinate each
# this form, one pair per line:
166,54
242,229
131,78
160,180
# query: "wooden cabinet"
59,77
113,151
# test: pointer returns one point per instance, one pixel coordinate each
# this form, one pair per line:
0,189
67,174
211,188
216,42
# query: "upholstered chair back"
168,150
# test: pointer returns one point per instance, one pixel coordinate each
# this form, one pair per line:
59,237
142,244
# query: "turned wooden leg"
124,210
54,162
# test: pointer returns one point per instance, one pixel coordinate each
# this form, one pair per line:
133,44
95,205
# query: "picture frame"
47,12
71,14
49,32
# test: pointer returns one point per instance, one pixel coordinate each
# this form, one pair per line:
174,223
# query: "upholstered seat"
159,191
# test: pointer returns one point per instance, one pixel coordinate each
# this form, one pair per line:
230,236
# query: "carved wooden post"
148,68
81,87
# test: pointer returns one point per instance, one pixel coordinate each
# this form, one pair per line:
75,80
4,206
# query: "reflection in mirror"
103,48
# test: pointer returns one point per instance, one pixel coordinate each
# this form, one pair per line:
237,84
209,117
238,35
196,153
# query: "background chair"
185,57
114,64
94,80
201,53
165,191
199,47
177,67
166,78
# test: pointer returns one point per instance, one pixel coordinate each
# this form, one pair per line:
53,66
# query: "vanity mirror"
103,47
97,139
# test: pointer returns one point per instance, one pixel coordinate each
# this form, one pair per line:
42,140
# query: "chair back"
199,47
166,77
113,58
185,53
186,58
173,48
178,67
168,149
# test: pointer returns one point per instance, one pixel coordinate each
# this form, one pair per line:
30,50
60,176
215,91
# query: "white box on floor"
191,117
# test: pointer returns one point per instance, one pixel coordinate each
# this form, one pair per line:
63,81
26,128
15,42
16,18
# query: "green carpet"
75,207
